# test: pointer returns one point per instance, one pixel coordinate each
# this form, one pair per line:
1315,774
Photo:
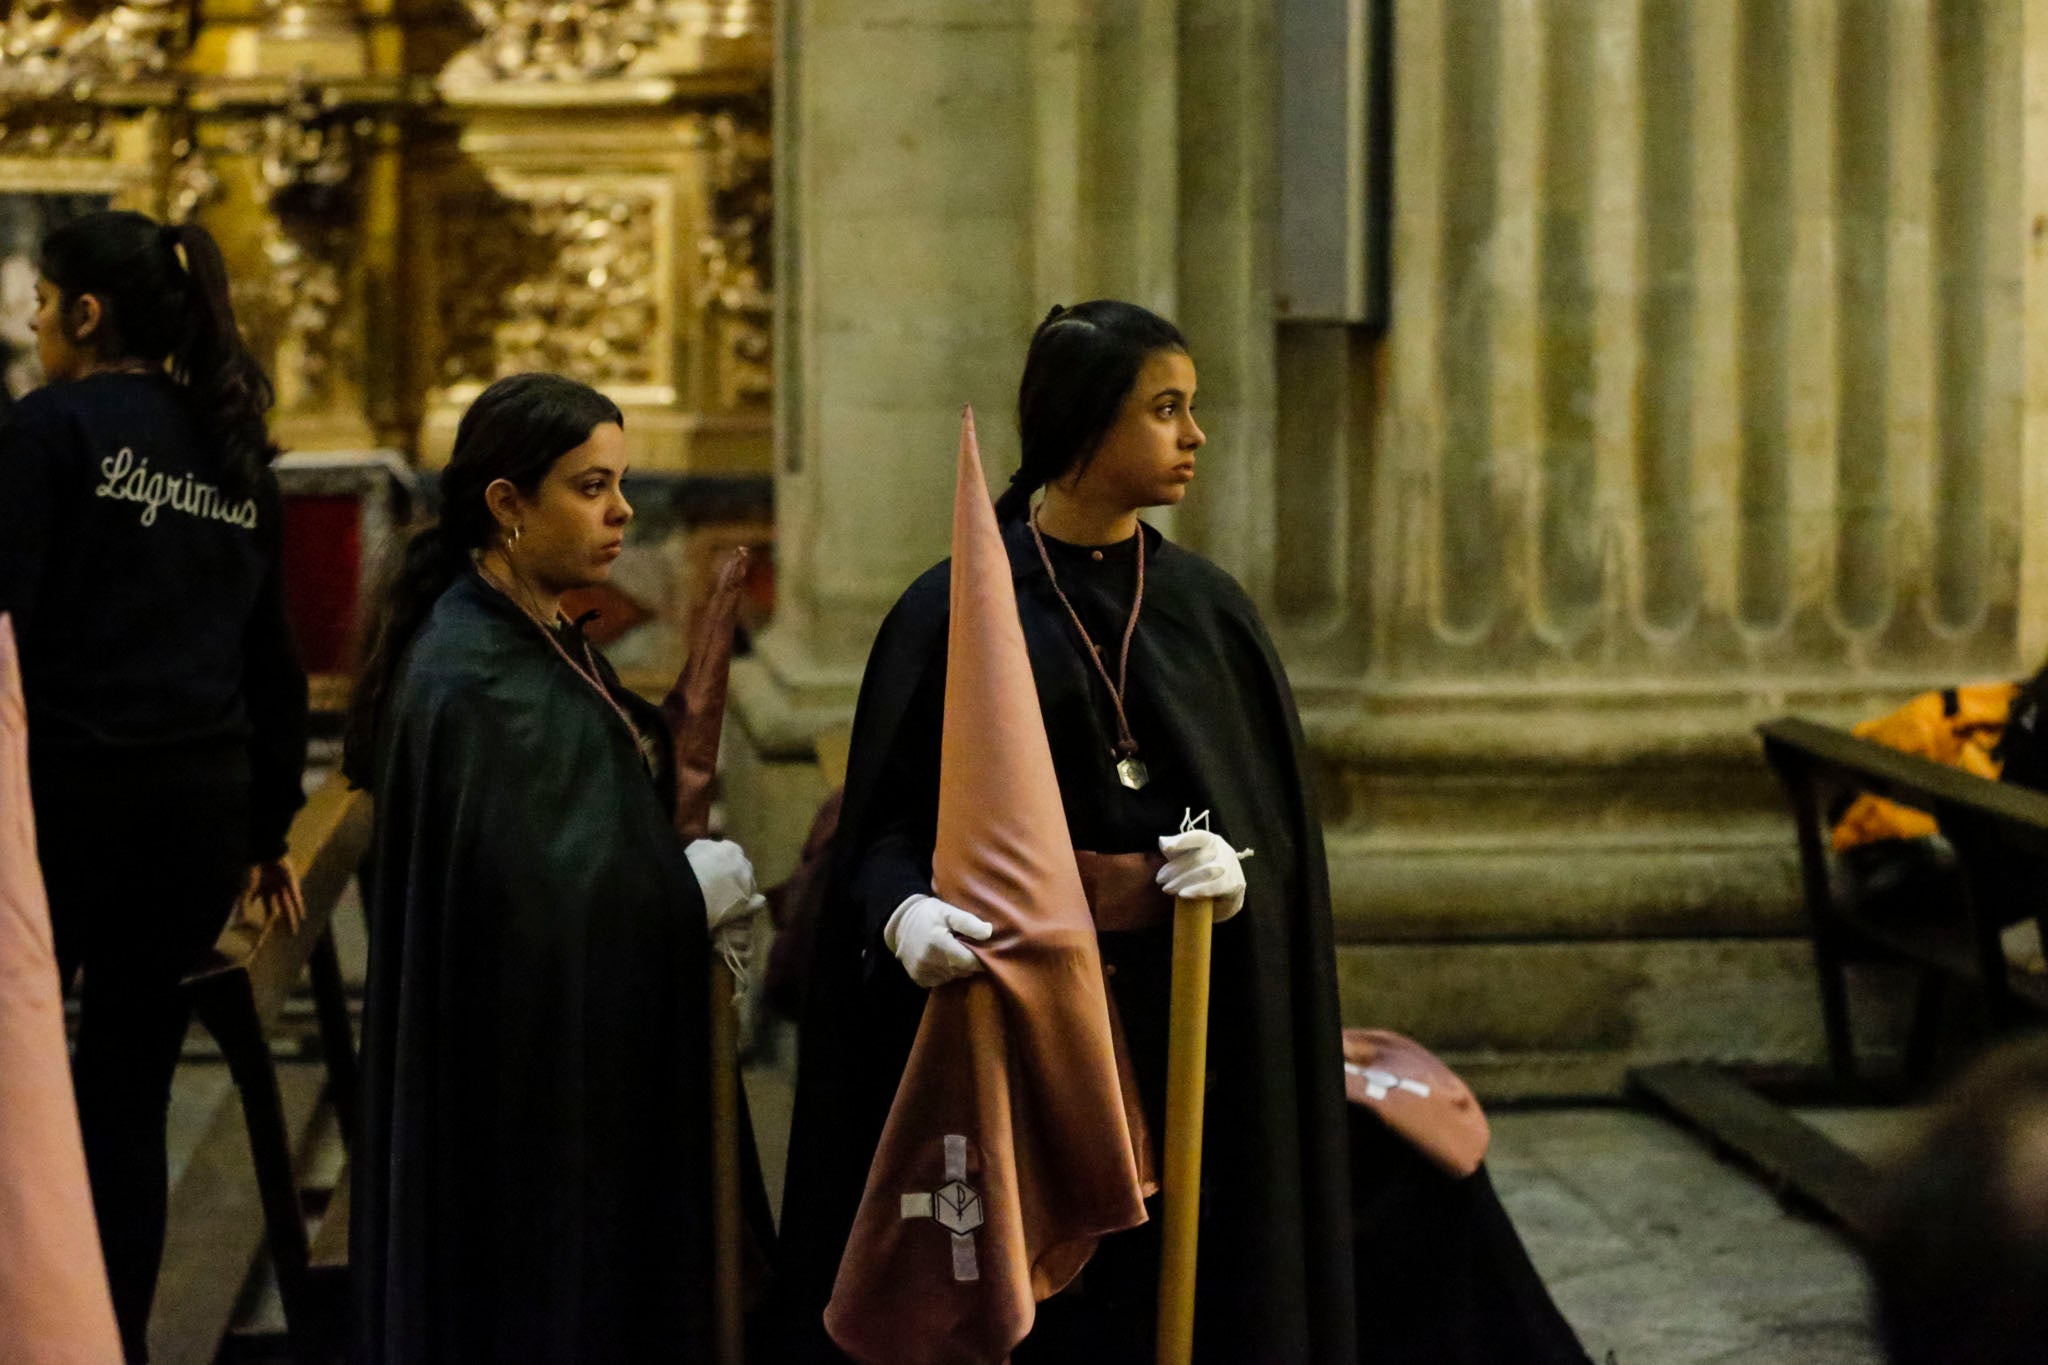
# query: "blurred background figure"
1960,1260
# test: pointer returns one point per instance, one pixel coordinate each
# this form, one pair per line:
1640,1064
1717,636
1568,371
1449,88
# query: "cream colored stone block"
824,19
919,274
945,126
890,488
963,364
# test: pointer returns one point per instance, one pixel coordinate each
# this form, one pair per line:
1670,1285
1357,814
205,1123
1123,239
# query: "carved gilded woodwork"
52,131
562,275
738,260
594,40
308,172
48,46
414,200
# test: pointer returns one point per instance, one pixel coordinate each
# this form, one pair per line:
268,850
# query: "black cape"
1210,707
532,1178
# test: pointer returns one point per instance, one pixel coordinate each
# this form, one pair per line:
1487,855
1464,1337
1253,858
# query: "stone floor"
1659,1253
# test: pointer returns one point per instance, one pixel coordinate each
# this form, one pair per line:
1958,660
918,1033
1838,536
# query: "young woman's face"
62,357
1147,458
574,526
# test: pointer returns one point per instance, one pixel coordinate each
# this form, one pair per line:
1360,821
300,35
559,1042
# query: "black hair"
2022,749
156,308
1959,1252
515,430
1082,364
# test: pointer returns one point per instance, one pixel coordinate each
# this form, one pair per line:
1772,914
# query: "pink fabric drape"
1013,1143
695,706
54,1305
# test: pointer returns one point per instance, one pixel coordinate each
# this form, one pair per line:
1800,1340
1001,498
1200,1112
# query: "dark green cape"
532,1178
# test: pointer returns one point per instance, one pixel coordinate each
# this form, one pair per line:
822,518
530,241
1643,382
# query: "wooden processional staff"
1187,1068
695,708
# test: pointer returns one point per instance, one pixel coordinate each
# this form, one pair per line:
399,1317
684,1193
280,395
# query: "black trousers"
142,874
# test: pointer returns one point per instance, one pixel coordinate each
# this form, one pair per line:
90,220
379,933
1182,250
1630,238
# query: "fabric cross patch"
954,1206
1379,1084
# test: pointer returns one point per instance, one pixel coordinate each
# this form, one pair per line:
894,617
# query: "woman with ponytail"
139,558
532,1176
1178,755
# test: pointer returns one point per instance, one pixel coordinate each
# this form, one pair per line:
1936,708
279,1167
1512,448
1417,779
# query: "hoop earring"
512,539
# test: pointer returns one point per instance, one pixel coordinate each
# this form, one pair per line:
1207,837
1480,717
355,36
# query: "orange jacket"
1959,726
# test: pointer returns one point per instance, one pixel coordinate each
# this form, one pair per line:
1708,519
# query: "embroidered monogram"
129,481
954,1206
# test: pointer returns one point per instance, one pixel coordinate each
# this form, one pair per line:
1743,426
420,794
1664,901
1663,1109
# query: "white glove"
740,938
924,934
1199,863
725,876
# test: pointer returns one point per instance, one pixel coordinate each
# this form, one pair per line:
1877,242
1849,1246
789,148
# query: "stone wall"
1711,391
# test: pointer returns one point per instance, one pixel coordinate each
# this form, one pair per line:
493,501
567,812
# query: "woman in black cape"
532,1178
1163,700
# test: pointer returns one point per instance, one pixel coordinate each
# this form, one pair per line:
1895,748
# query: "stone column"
947,170
1712,390
1707,397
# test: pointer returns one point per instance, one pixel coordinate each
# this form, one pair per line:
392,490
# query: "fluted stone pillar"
1712,388
1712,391
948,170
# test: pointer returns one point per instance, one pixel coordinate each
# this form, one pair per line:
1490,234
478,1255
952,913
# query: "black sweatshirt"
147,599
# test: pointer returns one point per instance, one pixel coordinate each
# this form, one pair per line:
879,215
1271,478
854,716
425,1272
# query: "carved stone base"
1560,1019
1552,889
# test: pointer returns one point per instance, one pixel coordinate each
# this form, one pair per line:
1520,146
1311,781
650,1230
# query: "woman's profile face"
62,358
1147,458
574,526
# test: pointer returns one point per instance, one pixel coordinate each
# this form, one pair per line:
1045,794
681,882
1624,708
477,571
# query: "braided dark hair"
156,308
515,430
1081,366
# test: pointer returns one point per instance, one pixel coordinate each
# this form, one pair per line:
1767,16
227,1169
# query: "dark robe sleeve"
861,1009
274,691
896,860
890,819
28,508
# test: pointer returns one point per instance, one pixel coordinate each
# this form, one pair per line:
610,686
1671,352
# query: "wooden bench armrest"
2014,816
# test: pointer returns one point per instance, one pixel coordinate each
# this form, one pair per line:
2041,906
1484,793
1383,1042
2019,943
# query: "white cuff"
896,918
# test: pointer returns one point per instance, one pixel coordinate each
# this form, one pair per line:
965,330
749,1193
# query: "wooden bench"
2000,837
238,993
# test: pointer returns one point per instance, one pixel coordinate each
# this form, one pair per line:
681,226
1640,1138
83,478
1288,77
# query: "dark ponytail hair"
156,308
515,430
1082,364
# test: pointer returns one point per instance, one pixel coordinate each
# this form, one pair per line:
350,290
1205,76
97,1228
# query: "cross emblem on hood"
955,1206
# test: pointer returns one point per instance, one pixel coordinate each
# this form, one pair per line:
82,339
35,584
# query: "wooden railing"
1949,936
237,994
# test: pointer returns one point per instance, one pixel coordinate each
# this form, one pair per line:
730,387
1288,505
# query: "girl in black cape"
141,546
1162,699
532,1178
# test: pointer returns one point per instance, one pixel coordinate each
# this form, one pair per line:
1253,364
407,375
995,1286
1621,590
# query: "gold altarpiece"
416,198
